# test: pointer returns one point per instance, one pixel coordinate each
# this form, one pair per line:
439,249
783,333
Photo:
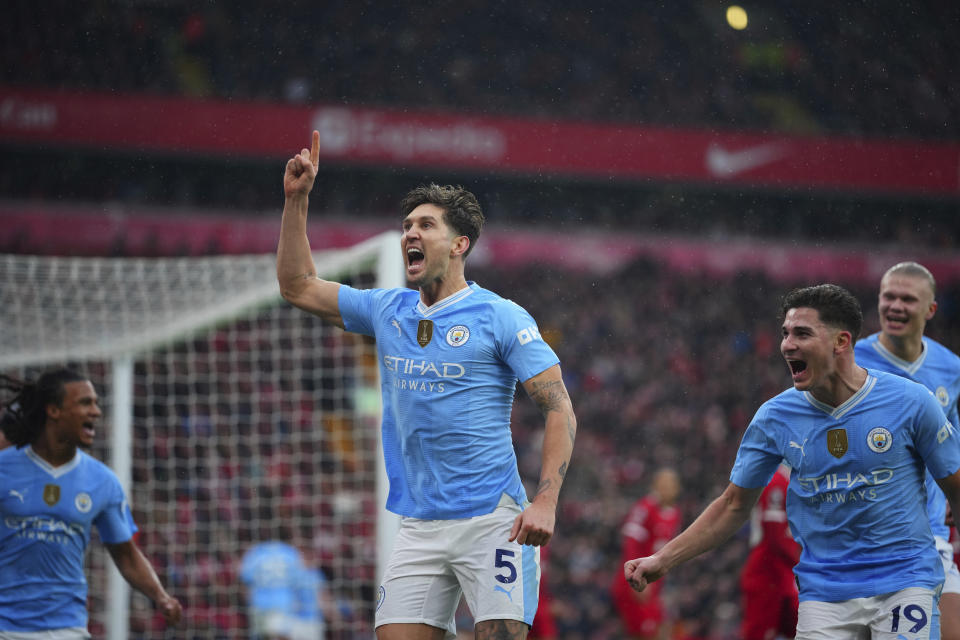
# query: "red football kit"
768,585
647,527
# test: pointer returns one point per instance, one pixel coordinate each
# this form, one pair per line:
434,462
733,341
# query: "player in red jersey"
768,586
652,522
544,625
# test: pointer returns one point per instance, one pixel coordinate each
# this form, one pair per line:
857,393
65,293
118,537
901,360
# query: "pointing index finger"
315,148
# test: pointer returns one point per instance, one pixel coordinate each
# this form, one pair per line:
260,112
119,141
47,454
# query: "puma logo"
397,325
17,494
800,446
509,593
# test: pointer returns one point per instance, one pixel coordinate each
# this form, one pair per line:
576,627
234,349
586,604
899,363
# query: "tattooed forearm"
550,396
563,470
544,486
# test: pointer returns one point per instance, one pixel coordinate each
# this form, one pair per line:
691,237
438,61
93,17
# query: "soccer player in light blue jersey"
906,302
857,441
283,593
451,354
51,493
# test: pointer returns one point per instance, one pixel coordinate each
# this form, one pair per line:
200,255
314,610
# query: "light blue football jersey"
44,532
278,580
857,473
448,375
938,369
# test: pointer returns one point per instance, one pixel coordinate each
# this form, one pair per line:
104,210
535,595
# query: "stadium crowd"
837,67
827,68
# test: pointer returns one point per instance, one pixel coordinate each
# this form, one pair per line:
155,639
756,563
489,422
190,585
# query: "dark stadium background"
659,288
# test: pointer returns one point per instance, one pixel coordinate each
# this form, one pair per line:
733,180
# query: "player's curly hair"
837,307
23,416
461,210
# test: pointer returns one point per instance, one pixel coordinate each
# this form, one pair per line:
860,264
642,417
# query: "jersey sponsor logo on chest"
411,366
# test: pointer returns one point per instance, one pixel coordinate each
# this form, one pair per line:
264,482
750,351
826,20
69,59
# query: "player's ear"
459,246
53,411
931,310
843,341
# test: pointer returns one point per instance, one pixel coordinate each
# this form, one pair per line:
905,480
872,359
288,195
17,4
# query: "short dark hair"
836,306
24,416
461,211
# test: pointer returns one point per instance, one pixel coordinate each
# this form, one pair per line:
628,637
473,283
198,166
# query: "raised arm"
136,569
719,521
296,273
535,525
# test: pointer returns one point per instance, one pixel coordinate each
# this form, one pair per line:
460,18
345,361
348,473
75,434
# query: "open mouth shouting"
87,432
415,259
797,367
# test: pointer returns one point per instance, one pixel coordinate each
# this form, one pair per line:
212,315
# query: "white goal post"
230,417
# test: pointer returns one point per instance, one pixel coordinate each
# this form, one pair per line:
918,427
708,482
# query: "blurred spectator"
770,596
652,522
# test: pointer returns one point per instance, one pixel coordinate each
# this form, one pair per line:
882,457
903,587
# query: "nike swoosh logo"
723,163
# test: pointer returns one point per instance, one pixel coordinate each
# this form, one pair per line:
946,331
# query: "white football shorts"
910,613
435,561
951,582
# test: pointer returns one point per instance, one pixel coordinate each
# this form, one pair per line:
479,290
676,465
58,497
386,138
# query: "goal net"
231,417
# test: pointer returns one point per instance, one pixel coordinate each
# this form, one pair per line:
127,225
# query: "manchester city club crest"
424,332
837,442
879,440
82,502
458,336
943,397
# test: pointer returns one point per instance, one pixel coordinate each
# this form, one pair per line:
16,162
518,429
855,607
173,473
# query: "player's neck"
907,348
841,386
56,452
439,289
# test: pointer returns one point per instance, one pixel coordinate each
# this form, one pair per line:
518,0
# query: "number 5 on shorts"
502,562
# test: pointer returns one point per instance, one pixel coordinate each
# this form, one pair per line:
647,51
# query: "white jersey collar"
56,472
450,300
850,403
900,363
